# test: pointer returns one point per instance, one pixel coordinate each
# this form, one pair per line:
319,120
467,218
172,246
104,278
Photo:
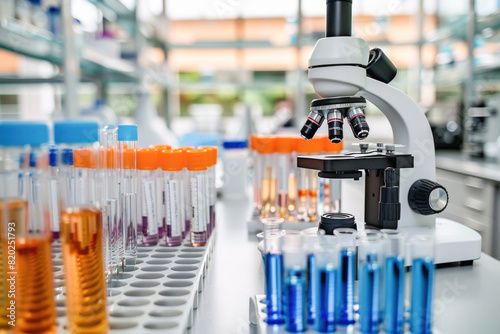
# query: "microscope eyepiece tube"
313,123
335,126
338,18
358,123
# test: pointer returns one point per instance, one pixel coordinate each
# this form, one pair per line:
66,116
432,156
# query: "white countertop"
466,298
459,162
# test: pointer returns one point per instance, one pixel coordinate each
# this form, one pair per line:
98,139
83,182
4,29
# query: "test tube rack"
156,295
254,225
257,317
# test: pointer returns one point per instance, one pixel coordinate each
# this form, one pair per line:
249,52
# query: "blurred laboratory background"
199,72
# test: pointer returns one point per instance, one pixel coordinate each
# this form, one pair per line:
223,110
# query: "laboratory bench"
474,195
466,298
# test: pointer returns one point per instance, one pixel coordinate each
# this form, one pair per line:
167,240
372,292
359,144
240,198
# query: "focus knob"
427,197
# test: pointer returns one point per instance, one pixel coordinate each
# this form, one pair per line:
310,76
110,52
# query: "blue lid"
67,156
234,144
19,133
76,132
53,156
127,132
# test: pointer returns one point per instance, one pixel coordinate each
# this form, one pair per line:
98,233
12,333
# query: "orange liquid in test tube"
81,236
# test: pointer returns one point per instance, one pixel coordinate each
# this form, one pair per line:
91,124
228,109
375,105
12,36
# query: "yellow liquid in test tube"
81,237
268,194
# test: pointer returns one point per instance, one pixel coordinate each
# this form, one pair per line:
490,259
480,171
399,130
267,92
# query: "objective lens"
335,126
358,123
313,123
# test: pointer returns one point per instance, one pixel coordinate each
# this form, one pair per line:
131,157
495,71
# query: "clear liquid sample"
148,238
274,292
369,294
13,210
81,238
295,300
129,221
394,288
345,287
422,281
36,312
312,282
325,320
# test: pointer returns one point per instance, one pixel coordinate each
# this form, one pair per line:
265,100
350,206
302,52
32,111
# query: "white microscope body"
337,68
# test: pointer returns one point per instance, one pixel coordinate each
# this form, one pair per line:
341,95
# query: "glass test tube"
160,193
197,166
393,287
292,182
265,146
212,151
172,165
370,254
257,174
187,195
127,140
26,287
422,283
346,238
273,269
295,283
53,192
283,148
310,241
108,139
147,164
327,258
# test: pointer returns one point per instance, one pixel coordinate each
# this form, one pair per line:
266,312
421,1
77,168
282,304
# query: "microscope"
400,187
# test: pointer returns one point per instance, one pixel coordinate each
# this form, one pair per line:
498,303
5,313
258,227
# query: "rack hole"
139,293
160,325
187,261
60,313
112,293
158,262
170,302
190,256
116,284
144,249
144,284
126,313
58,284
193,250
181,275
133,302
150,276
165,313
121,276
162,256
154,268
184,268
57,262
122,325
174,293
178,284
141,256
130,268
166,250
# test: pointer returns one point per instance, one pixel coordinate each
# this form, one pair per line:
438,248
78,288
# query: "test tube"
422,283
310,243
257,175
370,254
53,193
283,147
273,269
295,283
26,287
147,164
327,258
292,181
187,194
160,193
127,140
197,166
265,147
308,181
393,287
346,238
108,139
172,164
212,151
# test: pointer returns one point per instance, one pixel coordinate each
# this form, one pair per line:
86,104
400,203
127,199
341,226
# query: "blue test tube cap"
127,132
20,133
53,156
235,144
76,132
67,156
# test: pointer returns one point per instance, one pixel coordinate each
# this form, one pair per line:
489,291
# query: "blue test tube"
393,286
422,283
273,267
310,243
294,258
369,257
327,266
346,274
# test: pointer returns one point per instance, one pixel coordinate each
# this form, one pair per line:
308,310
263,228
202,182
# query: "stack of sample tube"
101,196
280,189
310,280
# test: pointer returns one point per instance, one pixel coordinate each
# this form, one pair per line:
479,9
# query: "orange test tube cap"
172,160
264,144
197,159
147,159
311,146
284,144
212,154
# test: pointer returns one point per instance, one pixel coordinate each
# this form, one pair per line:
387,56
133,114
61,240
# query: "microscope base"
454,242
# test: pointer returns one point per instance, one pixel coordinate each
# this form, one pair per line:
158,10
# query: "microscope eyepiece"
358,123
335,126
313,123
